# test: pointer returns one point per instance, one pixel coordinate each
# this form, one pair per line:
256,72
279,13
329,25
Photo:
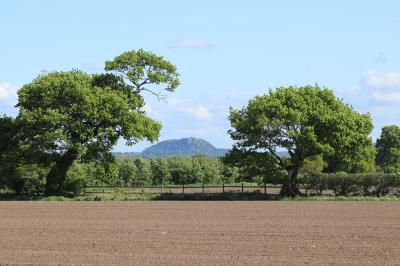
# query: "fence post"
162,184
183,188
223,187
242,187
202,186
265,188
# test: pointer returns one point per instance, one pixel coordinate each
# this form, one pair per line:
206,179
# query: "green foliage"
73,116
388,149
229,174
26,179
64,111
160,171
363,161
126,171
106,172
315,181
254,165
144,68
7,132
9,154
143,172
305,121
345,184
78,178
181,170
314,164
206,169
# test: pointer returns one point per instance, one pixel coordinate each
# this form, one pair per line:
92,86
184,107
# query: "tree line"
69,122
127,172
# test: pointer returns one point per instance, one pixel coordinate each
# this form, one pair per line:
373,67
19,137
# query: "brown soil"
200,233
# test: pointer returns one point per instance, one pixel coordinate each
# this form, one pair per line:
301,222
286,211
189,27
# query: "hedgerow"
344,184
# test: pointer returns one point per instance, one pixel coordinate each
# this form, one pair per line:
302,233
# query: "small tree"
181,170
126,171
159,171
142,175
388,148
304,121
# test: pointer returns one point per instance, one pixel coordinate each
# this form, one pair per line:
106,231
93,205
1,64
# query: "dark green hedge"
344,184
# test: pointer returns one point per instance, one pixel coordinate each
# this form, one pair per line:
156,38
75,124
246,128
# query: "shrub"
344,184
315,181
387,182
26,179
76,181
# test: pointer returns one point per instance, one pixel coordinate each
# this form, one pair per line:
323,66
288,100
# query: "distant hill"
183,147
127,154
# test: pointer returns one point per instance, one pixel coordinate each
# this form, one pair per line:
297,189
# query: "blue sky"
226,52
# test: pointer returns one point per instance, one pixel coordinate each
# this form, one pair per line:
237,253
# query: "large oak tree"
68,116
304,121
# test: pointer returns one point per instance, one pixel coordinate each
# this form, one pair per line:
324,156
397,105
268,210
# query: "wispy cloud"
187,107
190,43
148,108
377,93
199,112
384,87
8,93
377,80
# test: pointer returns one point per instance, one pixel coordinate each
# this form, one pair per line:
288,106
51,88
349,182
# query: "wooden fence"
163,189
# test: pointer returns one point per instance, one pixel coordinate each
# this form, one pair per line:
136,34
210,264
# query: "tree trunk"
289,188
58,173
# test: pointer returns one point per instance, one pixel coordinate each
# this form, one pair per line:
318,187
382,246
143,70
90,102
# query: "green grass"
216,196
98,197
345,198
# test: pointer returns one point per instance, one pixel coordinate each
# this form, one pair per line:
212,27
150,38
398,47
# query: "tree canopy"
143,69
70,115
304,121
73,115
388,149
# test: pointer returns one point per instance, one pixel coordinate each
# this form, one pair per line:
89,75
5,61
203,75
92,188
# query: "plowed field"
200,233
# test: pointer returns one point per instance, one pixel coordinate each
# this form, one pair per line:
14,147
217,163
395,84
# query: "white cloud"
381,87
8,92
377,93
188,107
189,43
393,96
376,80
149,110
199,112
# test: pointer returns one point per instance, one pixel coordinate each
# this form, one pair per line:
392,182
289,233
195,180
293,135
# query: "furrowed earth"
200,233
